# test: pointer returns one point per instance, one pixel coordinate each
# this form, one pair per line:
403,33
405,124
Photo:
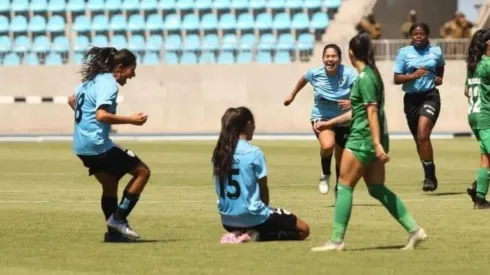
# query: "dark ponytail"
476,49
233,122
104,60
363,49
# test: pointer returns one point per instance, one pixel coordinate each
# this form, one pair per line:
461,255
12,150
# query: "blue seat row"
36,23
23,44
13,59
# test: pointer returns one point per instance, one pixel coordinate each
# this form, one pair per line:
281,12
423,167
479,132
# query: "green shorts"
365,157
483,137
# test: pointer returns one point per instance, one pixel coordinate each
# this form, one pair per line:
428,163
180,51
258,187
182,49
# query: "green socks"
482,182
394,205
343,208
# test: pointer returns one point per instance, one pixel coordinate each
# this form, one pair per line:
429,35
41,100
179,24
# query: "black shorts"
341,133
116,161
279,220
423,104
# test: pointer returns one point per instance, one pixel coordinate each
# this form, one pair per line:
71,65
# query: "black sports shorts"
116,161
341,133
426,104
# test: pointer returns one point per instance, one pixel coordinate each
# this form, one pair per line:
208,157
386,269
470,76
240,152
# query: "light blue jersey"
239,200
328,90
90,136
409,59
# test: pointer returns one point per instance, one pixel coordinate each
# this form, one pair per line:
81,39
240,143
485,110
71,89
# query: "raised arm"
299,85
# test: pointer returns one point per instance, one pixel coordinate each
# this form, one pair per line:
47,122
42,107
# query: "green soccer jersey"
478,85
367,89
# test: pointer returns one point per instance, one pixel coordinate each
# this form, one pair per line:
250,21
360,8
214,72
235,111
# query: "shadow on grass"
445,194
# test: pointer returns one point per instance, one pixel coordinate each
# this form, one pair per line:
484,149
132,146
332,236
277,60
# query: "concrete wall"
191,99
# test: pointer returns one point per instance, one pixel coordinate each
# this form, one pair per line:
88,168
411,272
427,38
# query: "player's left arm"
260,169
72,102
264,190
341,119
439,68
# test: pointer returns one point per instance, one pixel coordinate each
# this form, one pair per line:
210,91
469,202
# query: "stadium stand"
52,32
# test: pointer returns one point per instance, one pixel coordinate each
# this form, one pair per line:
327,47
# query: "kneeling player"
240,175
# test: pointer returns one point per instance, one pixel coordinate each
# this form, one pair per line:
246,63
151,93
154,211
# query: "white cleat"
415,239
324,185
330,246
123,228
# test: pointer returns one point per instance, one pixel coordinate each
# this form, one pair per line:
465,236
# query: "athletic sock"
429,169
343,208
109,206
126,206
482,182
326,163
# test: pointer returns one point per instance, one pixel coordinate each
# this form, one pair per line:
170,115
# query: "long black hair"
363,49
104,60
336,48
235,120
477,49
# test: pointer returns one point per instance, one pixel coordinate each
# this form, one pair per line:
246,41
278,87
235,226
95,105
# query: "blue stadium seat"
227,21
5,44
100,22
294,4
209,22
263,21
113,5
4,6
57,5
239,4
257,4
61,44
95,5
248,42
188,58
154,22
154,42
226,58
185,5
306,41
151,58
331,4
221,4
282,57
136,22
134,5
204,4
53,59
139,58
22,44
81,24
11,59
31,59
173,43
81,43
263,57
119,41
245,21
137,43
285,42
38,5
244,57
229,42
4,24
41,44
300,21
190,22
319,21
172,22
76,5
19,5
56,23
37,24
192,43
78,58
148,5
282,21
207,58
18,24
210,42
171,58
118,23
313,4
276,4
167,5
100,40
267,42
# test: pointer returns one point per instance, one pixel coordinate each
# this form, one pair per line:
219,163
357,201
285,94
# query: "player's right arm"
72,102
264,190
400,73
343,118
260,170
299,85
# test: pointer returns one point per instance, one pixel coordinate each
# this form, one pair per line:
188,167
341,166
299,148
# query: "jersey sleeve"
368,89
400,63
352,78
309,75
260,166
106,93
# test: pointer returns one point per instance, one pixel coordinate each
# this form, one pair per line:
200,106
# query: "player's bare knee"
143,172
423,138
305,232
327,149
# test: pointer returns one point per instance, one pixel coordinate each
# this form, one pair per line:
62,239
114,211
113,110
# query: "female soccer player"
478,92
240,175
94,103
366,150
331,87
420,68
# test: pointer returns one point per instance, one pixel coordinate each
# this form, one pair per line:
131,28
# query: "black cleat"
471,190
429,185
481,203
116,237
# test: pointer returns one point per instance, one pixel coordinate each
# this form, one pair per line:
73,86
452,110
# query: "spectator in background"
370,25
412,18
458,27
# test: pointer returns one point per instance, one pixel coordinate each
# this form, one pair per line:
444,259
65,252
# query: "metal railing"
386,49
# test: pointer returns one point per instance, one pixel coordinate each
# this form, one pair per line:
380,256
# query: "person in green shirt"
366,150
477,89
